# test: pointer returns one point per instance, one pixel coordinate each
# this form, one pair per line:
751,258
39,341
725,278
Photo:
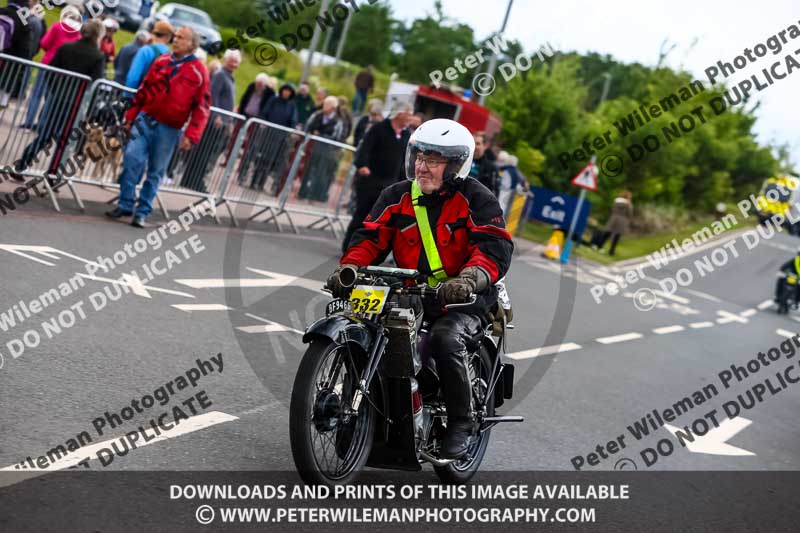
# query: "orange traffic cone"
553,250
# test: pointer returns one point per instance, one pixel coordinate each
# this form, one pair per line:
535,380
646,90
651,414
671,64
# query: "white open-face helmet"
446,138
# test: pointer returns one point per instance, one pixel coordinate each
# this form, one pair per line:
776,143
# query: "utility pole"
493,60
343,38
314,43
582,197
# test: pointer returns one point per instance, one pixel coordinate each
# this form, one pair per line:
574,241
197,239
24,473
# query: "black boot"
118,213
457,399
458,438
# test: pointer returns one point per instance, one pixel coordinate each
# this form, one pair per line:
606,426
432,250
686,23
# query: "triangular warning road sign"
587,178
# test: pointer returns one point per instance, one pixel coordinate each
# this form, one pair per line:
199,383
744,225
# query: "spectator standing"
61,33
255,97
374,116
82,57
509,180
415,122
162,35
321,95
124,59
483,167
346,117
280,110
175,89
619,223
107,45
365,82
380,162
321,168
219,129
213,67
21,45
304,104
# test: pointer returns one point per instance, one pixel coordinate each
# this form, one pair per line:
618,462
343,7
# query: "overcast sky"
632,31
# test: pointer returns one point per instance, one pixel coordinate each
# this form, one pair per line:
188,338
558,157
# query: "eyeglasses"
431,162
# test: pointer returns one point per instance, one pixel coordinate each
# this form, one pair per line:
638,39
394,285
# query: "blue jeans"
359,101
152,144
39,87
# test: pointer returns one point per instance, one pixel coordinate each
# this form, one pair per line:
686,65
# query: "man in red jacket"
175,89
450,227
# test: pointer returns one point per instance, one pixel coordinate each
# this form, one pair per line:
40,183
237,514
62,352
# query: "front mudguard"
340,329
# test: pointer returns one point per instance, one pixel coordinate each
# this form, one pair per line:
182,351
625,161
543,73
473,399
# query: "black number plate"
338,307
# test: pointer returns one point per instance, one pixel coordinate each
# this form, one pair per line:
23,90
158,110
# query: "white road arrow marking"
766,303
137,287
715,441
47,251
270,279
268,327
201,307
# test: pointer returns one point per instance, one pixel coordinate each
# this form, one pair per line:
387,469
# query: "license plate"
338,306
368,299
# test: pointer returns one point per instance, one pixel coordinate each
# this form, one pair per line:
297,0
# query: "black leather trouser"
448,341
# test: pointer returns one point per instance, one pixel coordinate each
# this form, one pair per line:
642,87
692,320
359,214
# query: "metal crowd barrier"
39,105
287,173
280,171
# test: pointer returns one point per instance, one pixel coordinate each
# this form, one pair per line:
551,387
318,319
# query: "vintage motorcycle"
786,293
366,392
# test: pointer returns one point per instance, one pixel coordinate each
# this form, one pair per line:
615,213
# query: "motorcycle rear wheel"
461,471
329,446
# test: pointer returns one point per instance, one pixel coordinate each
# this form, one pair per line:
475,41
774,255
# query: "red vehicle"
444,103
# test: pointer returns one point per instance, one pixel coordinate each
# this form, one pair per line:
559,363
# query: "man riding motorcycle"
451,229
790,268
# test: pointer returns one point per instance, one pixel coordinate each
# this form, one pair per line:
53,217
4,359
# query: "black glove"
471,280
335,285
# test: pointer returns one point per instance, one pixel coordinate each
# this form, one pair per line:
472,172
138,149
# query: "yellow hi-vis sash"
796,264
428,241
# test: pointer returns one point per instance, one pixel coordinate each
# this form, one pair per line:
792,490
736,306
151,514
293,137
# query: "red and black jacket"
466,220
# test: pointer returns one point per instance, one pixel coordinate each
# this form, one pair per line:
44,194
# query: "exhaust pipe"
434,461
348,277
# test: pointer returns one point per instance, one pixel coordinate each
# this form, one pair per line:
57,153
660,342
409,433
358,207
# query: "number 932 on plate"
368,299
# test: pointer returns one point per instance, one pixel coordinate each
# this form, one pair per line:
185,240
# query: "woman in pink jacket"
62,32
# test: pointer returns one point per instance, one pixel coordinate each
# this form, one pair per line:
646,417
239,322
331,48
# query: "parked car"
181,15
128,14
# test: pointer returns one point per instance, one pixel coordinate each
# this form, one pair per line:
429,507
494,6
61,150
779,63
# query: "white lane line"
700,325
672,297
703,295
271,323
545,350
726,318
795,319
201,307
194,423
748,313
619,338
766,303
785,333
668,329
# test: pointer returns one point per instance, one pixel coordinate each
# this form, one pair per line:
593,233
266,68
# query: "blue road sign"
556,209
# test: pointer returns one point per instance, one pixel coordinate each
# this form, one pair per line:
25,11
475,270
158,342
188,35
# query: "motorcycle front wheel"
330,442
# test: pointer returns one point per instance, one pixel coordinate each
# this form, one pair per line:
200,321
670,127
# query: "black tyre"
330,444
462,470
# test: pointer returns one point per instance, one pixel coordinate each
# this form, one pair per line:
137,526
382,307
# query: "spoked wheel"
462,470
330,442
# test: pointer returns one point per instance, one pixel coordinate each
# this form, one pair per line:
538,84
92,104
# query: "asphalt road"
586,371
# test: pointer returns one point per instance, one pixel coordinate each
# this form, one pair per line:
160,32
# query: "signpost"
586,180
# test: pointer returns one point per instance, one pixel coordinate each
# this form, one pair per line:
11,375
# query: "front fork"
374,359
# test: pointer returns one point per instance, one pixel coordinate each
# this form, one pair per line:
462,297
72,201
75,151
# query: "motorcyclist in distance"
450,227
790,268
